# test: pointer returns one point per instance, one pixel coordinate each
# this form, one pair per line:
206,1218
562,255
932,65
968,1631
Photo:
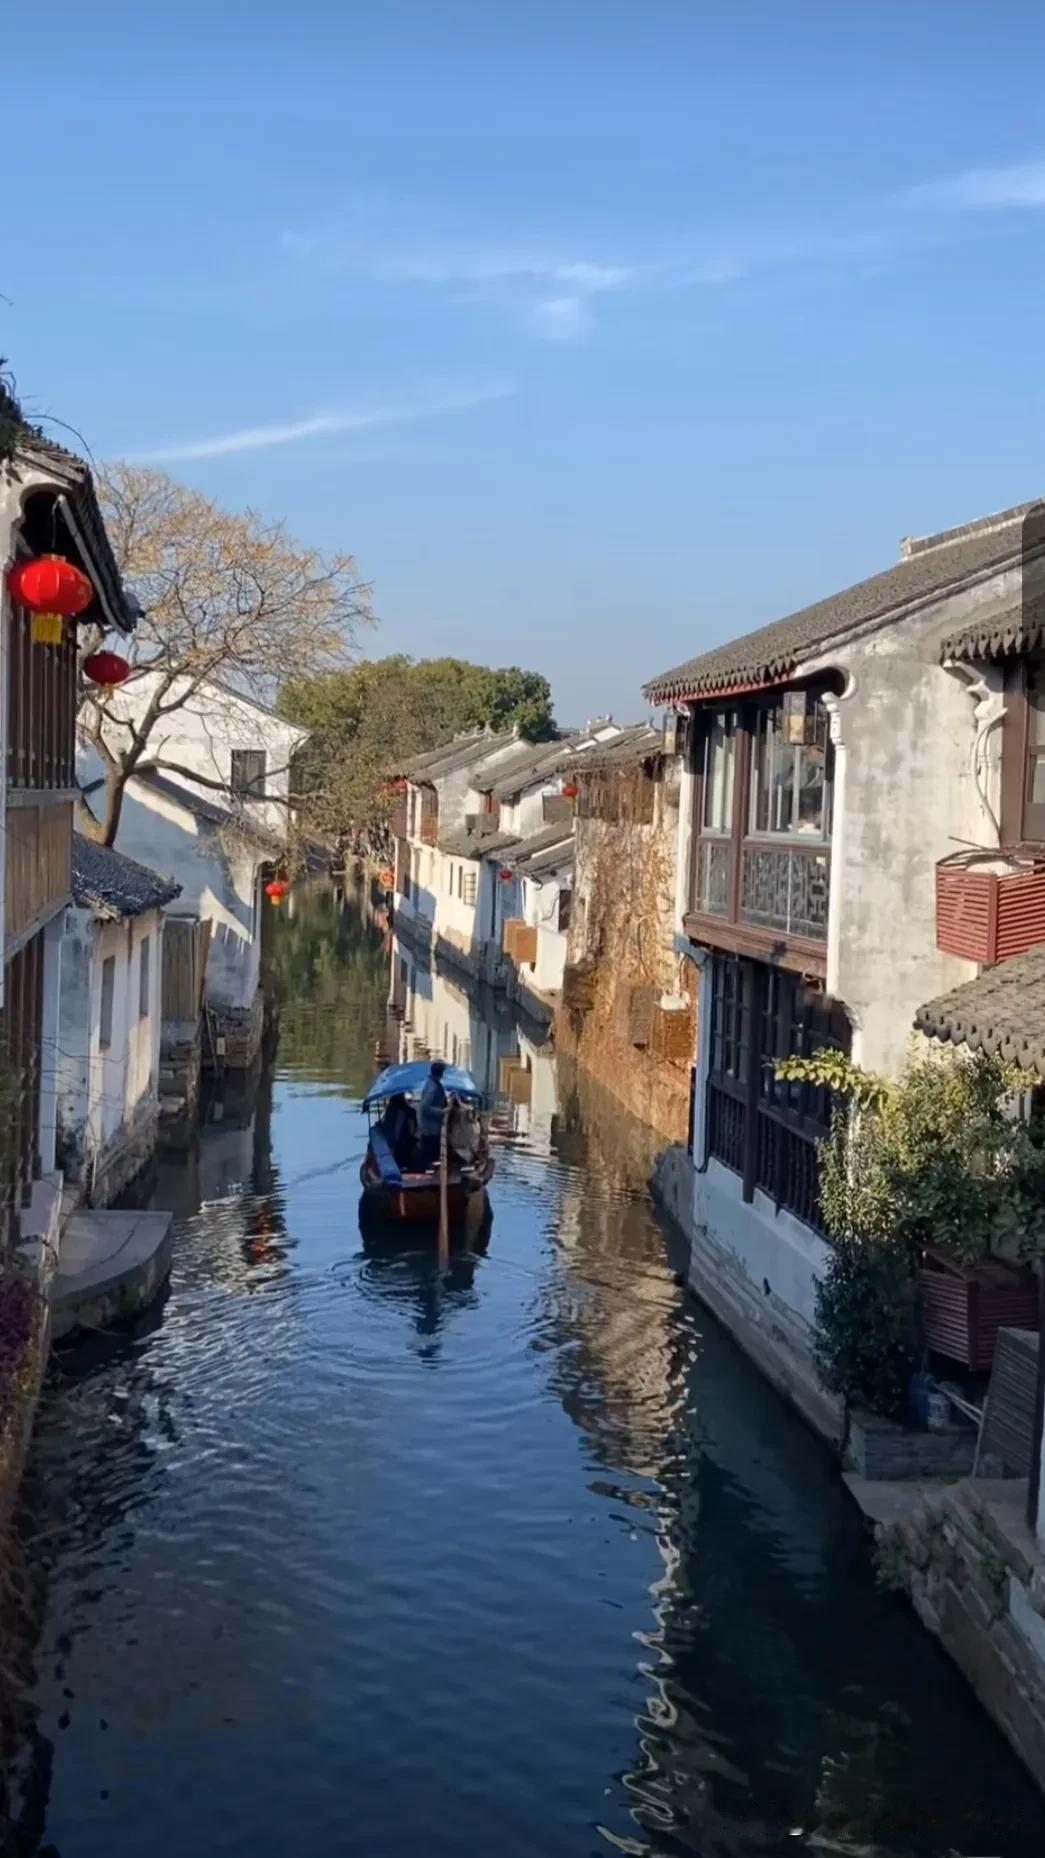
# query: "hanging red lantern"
106,668
505,875
570,790
51,589
276,890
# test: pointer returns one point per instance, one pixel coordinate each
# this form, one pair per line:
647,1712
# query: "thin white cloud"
986,189
261,438
561,319
552,295
491,265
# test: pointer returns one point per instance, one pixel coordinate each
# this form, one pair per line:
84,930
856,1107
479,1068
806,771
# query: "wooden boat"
398,1186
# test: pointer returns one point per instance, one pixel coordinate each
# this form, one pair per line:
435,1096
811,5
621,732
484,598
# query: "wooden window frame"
773,1014
729,931
243,786
1022,819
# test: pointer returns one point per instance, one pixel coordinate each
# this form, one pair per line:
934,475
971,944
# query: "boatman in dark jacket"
434,1102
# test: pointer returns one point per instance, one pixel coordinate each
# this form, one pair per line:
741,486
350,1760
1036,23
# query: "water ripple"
338,1553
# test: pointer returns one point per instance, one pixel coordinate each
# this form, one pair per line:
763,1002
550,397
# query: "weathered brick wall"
623,929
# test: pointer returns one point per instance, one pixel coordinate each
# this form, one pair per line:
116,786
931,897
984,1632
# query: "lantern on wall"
799,718
106,668
570,790
505,875
52,590
276,890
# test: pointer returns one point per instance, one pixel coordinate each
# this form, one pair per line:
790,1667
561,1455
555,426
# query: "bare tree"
224,597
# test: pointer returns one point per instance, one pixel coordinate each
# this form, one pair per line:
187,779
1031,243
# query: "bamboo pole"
444,1195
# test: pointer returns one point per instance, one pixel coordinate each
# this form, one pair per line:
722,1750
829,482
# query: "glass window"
719,759
730,1031
247,774
791,778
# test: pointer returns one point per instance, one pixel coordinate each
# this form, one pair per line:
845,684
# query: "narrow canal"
333,1556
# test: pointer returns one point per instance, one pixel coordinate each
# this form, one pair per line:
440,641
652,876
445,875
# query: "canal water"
335,1555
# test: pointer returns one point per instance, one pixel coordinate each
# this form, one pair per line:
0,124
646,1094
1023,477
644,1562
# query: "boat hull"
415,1201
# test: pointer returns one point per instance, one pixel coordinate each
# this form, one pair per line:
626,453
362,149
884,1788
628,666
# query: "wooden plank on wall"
39,864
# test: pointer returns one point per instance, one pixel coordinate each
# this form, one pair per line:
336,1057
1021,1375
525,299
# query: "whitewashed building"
48,506
211,806
218,859
436,882
463,807
851,776
109,1020
220,742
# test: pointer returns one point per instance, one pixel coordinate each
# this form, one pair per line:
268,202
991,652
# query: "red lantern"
50,585
505,875
52,590
106,668
570,790
276,890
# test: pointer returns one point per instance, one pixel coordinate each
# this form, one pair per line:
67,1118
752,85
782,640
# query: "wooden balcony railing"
786,1165
784,885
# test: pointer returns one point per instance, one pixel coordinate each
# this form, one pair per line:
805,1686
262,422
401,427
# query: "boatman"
434,1103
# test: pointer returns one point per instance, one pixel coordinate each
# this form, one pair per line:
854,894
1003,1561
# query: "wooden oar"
444,1195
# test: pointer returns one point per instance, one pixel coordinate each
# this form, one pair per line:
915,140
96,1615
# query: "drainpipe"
833,706
684,840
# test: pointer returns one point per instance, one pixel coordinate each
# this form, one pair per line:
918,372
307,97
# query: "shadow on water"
336,1552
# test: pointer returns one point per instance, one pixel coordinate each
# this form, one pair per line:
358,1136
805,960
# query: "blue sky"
597,332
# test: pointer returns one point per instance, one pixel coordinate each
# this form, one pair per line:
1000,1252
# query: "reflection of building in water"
431,1015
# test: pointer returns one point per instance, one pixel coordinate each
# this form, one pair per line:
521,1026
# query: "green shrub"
943,1158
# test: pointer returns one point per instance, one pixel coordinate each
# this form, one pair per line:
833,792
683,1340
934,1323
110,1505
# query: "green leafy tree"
365,718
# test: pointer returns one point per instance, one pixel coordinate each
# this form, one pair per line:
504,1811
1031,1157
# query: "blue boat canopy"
411,1080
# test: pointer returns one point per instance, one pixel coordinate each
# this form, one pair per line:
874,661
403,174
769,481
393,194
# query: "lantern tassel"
47,628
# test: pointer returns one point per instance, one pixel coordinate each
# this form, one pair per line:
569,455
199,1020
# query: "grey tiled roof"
558,858
114,886
532,761
1003,1010
930,567
73,475
451,756
475,842
543,853
526,851
635,743
1000,632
